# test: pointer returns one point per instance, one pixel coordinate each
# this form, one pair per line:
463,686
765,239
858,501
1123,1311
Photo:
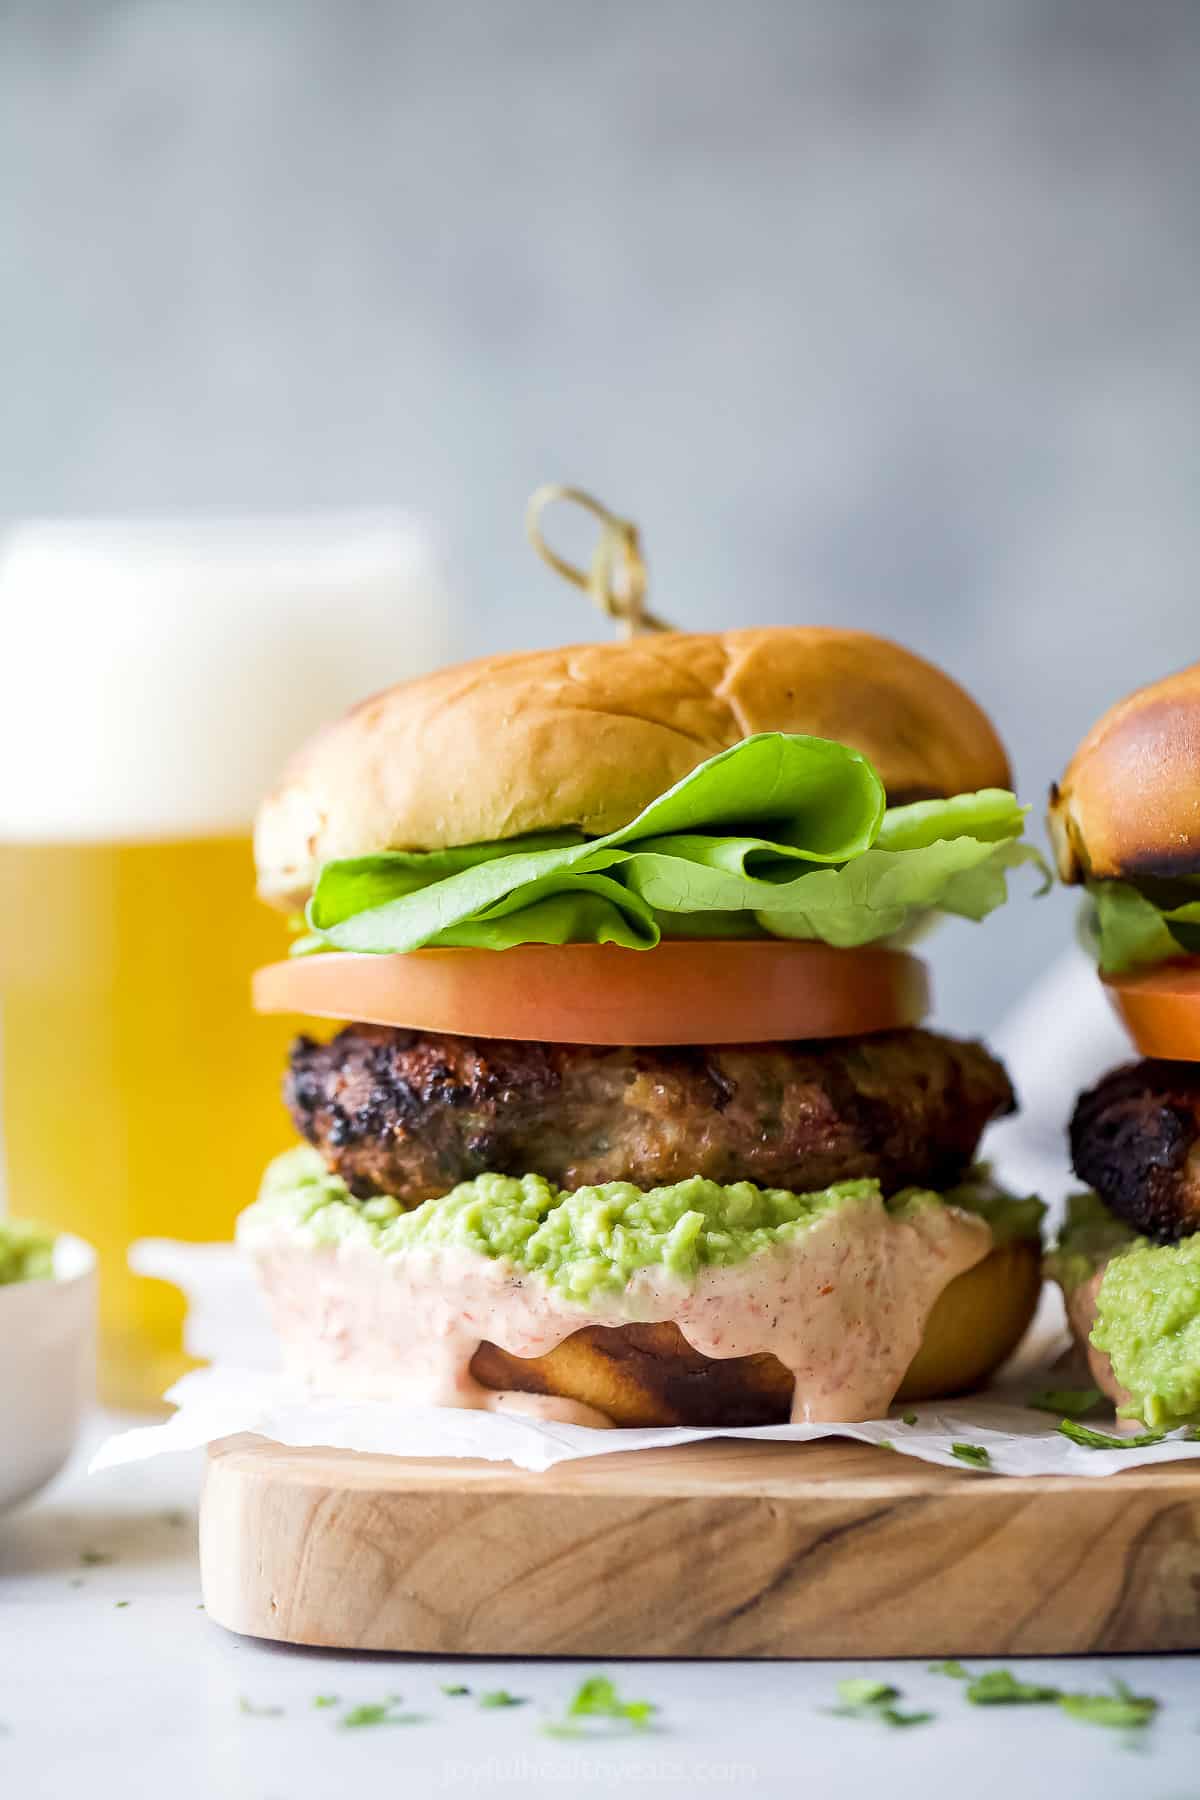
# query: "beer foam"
156,676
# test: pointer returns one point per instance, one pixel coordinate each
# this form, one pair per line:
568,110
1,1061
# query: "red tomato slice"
678,993
1160,1009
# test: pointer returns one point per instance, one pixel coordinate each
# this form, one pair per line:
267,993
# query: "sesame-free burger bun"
586,736
1128,805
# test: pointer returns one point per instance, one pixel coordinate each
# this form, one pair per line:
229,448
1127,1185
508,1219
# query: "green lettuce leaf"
885,891
785,835
992,814
1089,1236
1127,929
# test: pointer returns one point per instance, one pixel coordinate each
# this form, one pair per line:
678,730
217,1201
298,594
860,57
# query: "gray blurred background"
874,314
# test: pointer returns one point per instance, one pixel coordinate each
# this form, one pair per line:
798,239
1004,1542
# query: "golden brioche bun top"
1128,805
586,736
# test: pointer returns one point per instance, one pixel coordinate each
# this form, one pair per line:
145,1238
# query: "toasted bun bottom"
650,1375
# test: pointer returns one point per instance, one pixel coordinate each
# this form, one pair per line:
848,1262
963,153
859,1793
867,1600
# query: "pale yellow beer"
140,1094
154,680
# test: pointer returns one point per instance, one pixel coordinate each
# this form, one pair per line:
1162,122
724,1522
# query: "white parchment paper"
227,1398
218,1402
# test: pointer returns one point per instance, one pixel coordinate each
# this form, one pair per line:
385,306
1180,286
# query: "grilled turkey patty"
1135,1139
411,1113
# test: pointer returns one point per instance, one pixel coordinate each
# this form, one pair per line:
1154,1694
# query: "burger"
1125,823
628,1116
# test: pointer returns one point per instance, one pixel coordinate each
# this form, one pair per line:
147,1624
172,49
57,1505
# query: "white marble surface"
105,1699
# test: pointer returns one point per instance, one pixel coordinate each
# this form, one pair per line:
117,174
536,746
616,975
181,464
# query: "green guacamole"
1148,1320
26,1251
1147,1308
587,1243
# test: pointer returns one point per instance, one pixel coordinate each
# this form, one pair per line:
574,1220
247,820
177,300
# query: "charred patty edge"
1134,1138
412,1114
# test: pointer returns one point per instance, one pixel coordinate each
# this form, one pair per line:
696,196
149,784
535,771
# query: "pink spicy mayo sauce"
843,1306
1081,1304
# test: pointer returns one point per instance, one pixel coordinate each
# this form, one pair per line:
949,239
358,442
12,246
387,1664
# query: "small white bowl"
47,1369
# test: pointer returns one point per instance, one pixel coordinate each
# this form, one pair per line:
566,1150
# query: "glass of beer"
155,678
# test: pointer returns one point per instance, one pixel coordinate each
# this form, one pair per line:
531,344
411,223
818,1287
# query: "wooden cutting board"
714,1549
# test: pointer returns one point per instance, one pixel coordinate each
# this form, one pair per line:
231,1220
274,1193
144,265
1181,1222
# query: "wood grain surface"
715,1549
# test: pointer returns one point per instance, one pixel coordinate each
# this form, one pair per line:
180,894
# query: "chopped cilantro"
454,1689
502,1697
379,1712
1103,1440
1073,1403
258,1712
862,1698
975,1454
1000,1687
326,1700
376,1714
1120,1710
862,1691
96,1559
885,1444
120,1603
597,1698
908,1418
